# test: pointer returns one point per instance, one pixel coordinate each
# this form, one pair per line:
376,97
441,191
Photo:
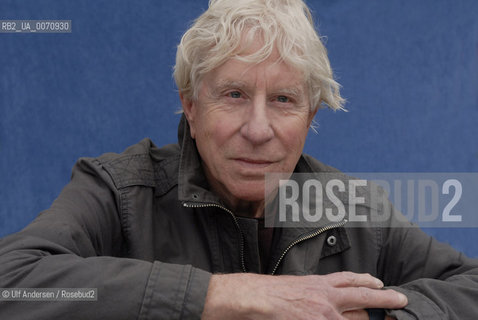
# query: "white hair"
286,25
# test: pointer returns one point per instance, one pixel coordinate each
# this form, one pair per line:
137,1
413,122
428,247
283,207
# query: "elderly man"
178,232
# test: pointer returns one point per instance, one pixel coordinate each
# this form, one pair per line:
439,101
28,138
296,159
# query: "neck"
240,207
250,209
243,208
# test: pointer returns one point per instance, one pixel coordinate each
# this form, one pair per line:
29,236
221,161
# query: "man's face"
249,120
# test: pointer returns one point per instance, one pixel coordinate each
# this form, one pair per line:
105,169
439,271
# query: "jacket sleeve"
440,282
78,243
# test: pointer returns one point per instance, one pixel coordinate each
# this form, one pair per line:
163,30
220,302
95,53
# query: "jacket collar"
192,183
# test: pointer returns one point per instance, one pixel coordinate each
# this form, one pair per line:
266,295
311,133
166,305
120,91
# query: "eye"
234,94
283,99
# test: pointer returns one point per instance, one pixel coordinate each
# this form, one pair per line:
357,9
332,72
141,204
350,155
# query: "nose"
257,127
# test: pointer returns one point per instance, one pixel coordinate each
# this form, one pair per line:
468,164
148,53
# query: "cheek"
293,136
219,131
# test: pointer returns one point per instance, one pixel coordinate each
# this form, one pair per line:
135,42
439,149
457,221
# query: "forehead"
272,73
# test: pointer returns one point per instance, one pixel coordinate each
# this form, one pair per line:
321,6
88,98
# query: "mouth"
253,163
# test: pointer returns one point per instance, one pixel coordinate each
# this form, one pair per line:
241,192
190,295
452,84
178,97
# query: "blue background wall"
409,71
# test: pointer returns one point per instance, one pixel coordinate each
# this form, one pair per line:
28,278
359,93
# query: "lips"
253,163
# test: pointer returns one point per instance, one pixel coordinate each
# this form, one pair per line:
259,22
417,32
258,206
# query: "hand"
342,295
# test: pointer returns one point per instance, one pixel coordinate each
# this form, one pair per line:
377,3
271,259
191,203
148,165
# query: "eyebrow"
291,91
223,84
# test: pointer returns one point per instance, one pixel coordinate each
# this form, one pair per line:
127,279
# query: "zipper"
307,237
206,205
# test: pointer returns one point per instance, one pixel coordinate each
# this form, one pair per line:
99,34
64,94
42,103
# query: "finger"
356,315
363,298
351,279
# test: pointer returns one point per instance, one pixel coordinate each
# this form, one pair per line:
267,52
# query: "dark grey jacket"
143,228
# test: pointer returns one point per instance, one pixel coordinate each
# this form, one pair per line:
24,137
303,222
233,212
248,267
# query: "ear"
189,109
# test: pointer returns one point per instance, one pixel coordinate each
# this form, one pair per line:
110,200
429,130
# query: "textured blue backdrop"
409,71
